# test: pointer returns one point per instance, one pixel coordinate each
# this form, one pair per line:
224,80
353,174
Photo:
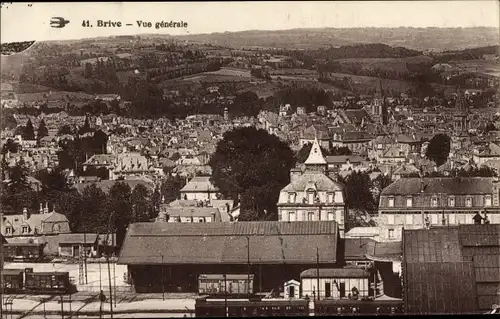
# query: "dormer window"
409,201
390,202
434,201
468,201
487,200
330,198
291,197
25,229
451,201
310,197
8,230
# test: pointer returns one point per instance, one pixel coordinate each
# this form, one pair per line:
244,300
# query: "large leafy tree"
16,191
10,146
439,149
54,183
120,208
141,203
358,193
71,205
253,166
93,211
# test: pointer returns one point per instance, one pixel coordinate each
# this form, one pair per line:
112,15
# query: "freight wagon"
29,282
23,252
221,285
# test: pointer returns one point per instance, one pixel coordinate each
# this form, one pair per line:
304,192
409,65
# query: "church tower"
315,162
379,106
461,118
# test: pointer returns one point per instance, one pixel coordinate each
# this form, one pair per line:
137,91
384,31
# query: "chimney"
46,210
41,208
25,213
213,217
422,185
295,173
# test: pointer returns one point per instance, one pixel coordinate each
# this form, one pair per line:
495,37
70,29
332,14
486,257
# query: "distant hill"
358,51
422,39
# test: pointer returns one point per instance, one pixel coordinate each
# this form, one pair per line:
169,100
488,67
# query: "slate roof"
441,185
192,212
492,150
341,159
321,181
335,273
199,184
478,245
208,243
360,248
440,288
432,245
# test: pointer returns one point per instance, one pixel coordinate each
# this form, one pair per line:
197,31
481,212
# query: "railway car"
357,307
13,280
47,282
250,308
23,252
218,285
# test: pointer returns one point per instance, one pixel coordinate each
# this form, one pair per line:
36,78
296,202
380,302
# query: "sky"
27,22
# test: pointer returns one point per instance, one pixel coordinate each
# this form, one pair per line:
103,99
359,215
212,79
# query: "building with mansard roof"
415,203
312,195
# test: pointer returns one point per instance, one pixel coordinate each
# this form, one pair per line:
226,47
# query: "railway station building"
170,257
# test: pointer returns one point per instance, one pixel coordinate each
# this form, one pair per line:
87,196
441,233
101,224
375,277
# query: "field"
71,97
389,64
222,75
482,66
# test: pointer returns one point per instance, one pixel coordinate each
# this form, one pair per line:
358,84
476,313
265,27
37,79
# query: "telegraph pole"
225,296
317,268
85,256
1,268
248,265
162,280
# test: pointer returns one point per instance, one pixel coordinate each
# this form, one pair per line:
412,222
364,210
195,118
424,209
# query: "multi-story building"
312,195
414,203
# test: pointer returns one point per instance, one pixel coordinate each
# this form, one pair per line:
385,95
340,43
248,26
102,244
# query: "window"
391,233
8,230
434,201
291,216
310,198
434,219
451,201
291,197
330,198
379,146
338,197
409,202
331,216
391,202
468,201
487,200
310,216
390,219
452,219
25,229
409,219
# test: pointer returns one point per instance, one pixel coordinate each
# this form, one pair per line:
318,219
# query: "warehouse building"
171,256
